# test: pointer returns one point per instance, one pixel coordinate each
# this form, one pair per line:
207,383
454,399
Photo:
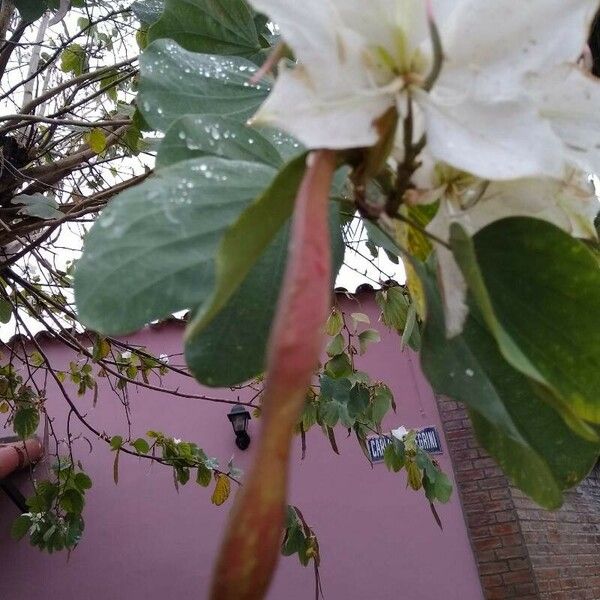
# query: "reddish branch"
252,542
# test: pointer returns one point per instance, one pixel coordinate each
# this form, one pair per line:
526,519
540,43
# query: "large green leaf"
26,419
247,239
176,82
528,438
209,26
31,10
38,205
232,347
152,251
194,136
148,11
539,292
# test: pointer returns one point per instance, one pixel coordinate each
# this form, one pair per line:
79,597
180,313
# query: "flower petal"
493,140
400,433
496,43
454,291
381,21
570,100
336,122
453,286
571,205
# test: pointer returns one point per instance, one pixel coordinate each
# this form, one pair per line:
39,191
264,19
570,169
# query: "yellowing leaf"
101,348
96,140
394,307
360,318
36,359
336,345
367,337
4,408
335,323
73,59
414,475
418,245
222,490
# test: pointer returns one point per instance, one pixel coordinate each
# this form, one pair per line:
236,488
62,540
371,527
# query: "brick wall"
564,547
491,516
521,550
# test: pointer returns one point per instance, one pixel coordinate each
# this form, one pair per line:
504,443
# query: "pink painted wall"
146,541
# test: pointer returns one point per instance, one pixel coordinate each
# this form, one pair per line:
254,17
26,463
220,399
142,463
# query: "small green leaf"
116,442
36,359
44,498
329,411
443,488
20,526
381,403
73,59
393,456
368,337
337,345
96,140
411,335
335,323
74,531
141,446
339,366
182,474
72,501
6,309
394,307
82,481
204,475
309,416
360,318
293,541
26,420
101,348
359,400
334,401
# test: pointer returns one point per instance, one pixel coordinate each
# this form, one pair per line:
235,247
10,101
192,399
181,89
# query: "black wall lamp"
239,418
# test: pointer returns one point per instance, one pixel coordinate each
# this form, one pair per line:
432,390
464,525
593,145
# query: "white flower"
570,204
176,441
400,433
510,101
164,358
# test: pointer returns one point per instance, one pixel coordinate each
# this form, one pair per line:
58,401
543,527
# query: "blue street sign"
427,439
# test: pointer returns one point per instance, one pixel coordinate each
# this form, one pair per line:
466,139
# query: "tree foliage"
485,202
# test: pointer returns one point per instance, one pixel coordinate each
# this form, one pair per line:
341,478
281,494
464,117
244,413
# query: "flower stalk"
251,546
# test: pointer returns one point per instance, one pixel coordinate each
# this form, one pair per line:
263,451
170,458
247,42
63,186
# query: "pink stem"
251,546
